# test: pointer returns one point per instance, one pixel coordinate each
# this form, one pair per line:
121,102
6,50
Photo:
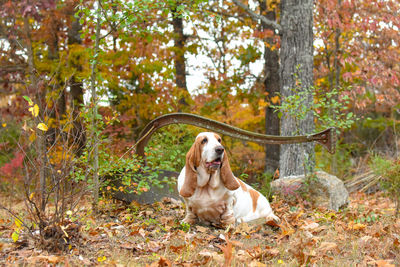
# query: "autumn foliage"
202,57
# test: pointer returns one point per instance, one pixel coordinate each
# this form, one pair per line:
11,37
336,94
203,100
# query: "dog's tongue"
214,163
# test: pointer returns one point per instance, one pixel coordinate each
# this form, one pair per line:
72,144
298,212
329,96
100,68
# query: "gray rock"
324,189
154,194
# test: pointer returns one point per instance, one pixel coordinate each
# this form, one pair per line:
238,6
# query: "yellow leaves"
262,103
101,259
42,126
15,234
272,4
320,81
34,110
57,156
18,223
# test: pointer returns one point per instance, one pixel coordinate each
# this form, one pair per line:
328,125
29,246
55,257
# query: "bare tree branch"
257,17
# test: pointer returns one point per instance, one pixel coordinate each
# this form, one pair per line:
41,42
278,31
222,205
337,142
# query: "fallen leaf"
128,246
212,255
365,239
167,220
206,253
101,259
153,246
162,262
310,226
381,263
227,250
255,263
201,229
327,246
357,226
176,249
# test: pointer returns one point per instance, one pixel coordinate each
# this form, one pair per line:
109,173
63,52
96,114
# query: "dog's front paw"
227,221
189,220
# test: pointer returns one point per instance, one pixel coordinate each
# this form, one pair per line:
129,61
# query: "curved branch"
257,17
326,138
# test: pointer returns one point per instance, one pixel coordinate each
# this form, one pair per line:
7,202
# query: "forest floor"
366,233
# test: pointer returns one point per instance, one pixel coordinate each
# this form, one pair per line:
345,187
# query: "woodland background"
79,80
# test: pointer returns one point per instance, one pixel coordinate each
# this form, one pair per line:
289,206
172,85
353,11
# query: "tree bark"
271,85
180,63
95,153
337,70
296,57
76,89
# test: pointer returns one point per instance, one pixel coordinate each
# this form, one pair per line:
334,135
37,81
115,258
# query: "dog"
212,194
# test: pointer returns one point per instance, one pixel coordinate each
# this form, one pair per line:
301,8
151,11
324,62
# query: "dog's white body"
212,193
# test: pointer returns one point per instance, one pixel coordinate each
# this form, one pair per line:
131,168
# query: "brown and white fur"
212,194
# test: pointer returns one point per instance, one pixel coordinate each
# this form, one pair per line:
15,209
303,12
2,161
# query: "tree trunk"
337,70
296,57
94,137
59,108
271,85
180,63
76,90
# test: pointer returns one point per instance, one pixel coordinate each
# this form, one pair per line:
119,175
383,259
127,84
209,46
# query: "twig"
140,140
257,17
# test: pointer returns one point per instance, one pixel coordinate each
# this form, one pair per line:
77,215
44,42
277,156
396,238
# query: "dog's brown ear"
192,162
227,176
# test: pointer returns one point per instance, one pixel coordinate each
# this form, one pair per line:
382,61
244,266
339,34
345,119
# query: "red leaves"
9,168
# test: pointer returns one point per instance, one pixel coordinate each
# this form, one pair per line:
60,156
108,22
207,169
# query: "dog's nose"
219,150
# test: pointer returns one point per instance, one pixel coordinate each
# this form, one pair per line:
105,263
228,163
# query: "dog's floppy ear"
192,162
227,176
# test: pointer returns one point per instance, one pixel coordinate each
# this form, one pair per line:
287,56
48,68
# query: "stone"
154,194
324,189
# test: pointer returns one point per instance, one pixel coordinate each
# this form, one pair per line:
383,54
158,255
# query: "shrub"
389,172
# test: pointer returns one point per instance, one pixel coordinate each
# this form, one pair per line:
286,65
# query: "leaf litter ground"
366,233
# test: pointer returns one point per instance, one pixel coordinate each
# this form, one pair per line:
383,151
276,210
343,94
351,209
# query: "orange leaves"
227,250
162,262
356,226
275,100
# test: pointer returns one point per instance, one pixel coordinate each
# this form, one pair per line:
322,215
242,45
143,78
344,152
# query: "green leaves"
27,98
329,108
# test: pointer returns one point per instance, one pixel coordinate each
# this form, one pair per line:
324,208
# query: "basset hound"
212,194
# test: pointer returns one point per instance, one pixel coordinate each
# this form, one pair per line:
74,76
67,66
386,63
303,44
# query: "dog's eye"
204,140
219,140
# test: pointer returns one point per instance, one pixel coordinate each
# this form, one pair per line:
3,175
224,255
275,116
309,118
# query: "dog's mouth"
214,164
